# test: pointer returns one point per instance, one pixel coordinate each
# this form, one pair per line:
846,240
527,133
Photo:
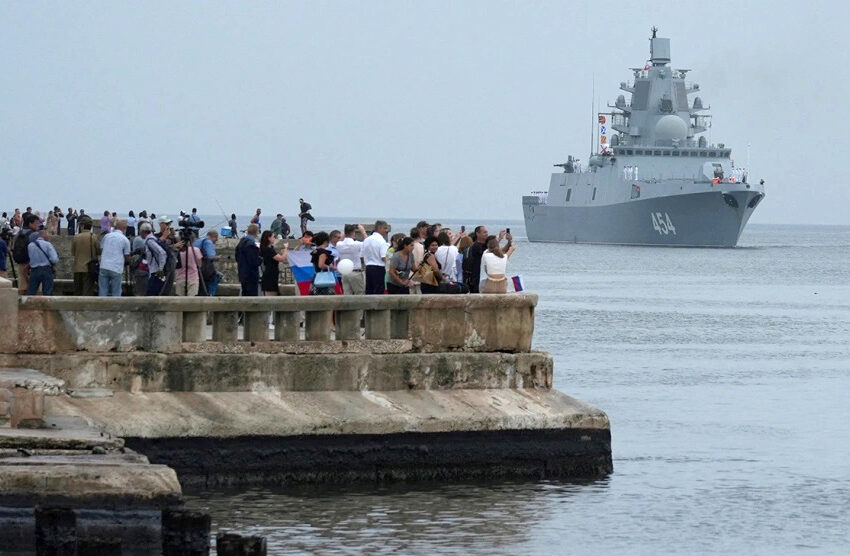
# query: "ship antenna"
592,121
654,31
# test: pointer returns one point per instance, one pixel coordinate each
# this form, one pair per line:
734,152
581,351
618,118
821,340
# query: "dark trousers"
41,276
83,284
251,288
156,285
375,279
397,290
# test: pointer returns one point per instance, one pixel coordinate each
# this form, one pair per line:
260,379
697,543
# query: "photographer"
171,244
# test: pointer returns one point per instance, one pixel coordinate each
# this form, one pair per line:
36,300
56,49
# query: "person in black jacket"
472,262
248,261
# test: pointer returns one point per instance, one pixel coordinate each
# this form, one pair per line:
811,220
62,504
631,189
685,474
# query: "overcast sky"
398,109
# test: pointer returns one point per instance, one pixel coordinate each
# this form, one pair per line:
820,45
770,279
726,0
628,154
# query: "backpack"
19,249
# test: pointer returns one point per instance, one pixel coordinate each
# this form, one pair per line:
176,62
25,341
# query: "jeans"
109,283
375,279
41,276
212,286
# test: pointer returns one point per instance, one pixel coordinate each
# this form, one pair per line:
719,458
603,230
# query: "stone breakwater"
305,389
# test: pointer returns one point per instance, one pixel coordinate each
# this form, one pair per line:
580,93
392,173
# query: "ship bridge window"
666,153
629,151
712,154
569,194
675,153
657,153
694,153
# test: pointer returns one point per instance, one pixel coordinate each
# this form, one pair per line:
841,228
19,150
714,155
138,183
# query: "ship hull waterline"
703,219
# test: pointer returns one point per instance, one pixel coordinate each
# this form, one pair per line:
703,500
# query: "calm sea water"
726,375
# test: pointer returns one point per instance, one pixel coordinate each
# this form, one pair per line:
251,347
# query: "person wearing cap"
85,247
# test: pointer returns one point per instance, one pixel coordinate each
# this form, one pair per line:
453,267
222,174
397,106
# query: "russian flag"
302,269
518,285
301,264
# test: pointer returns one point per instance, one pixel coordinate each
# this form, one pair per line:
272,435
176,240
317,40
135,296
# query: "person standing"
138,262
472,262
115,254
105,226
20,251
43,257
494,265
400,266
157,260
209,274
85,247
234,233
271,263
71,215
248,261
277,223
187,280
374,253
353,283
256,220
131,225
323,261
4,251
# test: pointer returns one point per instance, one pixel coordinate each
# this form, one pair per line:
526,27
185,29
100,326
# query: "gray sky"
399,109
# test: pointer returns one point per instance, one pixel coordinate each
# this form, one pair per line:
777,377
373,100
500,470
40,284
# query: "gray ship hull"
700,219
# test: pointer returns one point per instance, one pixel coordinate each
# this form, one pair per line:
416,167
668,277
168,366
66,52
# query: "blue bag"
325,279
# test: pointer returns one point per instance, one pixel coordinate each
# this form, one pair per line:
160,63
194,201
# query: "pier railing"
434,323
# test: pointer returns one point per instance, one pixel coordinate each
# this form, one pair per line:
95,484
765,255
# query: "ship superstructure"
654,178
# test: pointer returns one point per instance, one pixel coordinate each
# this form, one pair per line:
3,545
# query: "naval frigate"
654,179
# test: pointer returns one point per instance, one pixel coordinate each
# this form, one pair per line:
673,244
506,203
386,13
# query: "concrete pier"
431,387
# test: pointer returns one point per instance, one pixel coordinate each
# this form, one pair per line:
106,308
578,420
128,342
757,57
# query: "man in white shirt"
350,249
114,254
374,254
447,255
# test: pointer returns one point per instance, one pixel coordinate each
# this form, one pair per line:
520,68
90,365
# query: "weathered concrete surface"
295,437
205,372
233,414
9,310
22,394
477,323
93,485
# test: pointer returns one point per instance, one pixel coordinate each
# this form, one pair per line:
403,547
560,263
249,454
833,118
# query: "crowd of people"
430,260
160,258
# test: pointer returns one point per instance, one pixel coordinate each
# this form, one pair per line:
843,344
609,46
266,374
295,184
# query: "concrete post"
9,310
55,531
257,326
225,326
286,326
231,544
348,325
317,326
399,324
185,532
378,324
194,326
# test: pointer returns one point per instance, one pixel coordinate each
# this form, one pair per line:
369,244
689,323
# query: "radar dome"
671,128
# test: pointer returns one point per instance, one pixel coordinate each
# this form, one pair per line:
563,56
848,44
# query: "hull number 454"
662,224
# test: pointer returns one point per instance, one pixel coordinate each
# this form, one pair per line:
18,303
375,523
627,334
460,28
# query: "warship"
652,177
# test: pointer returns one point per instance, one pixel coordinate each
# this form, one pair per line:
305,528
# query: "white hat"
164,220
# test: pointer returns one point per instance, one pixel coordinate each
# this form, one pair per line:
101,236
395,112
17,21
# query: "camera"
508,230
